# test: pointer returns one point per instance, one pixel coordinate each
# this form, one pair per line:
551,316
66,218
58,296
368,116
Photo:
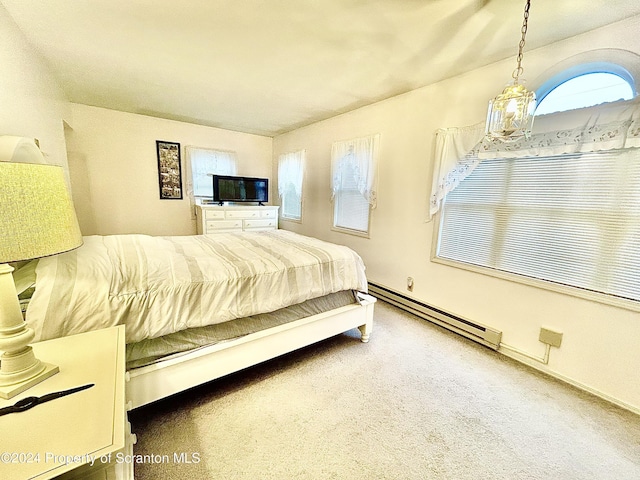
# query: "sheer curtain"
290,178
456,155
358,157
204,162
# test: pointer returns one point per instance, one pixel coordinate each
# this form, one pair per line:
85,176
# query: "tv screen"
240,189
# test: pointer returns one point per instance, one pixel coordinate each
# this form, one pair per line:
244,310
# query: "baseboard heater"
480,333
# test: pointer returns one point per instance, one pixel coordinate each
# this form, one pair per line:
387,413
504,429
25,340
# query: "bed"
200,307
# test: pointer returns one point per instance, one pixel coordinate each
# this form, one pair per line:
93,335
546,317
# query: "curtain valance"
604,127
456,155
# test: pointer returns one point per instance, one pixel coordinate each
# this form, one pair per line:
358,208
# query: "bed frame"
154,382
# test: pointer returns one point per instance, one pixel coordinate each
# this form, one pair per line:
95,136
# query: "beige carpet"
417,402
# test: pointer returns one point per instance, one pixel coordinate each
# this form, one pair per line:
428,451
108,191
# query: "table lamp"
37,219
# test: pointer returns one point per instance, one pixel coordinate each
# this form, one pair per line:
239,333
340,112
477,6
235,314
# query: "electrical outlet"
550,337
410,284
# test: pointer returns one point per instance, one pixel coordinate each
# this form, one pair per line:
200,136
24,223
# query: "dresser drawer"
213,214
269,213
218,225
261,224
243,213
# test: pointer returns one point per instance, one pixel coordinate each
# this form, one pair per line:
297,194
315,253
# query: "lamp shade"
37,217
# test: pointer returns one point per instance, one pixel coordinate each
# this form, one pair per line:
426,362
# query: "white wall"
32,103
599,350
114,169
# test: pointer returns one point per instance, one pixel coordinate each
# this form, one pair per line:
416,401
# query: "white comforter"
160,285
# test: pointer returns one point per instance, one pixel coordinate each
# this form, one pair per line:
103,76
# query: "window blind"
571,219
291,202
351,210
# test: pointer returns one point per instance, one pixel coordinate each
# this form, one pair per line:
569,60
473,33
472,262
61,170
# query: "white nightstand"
60,438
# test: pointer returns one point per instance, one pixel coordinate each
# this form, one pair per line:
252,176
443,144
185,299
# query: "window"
290,179
559,210
585,91
569,219
354,183
204,162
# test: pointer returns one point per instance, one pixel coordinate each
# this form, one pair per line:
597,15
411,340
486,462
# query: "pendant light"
510,114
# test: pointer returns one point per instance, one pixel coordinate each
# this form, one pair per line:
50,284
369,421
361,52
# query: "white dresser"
212,219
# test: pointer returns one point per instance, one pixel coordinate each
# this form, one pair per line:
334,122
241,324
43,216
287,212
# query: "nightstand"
61,438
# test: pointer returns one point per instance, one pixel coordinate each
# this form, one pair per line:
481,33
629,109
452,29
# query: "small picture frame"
169,170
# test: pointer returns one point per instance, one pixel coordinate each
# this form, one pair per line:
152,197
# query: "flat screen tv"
240,189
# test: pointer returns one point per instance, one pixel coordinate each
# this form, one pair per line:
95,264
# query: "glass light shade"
510,114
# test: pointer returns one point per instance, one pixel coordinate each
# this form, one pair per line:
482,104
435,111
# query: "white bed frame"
153,382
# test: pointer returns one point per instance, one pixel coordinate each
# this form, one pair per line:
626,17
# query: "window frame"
624,63
287,218
349,231
574,291
372,167
628,68
623,76
190,172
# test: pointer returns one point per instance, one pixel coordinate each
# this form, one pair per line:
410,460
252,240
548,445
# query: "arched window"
565,220
585,91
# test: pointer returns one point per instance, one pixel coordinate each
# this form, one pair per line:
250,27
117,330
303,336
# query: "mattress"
150,351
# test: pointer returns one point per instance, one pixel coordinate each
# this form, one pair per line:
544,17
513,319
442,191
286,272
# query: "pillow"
25,279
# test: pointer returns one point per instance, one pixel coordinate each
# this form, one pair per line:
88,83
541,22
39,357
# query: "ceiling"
270,66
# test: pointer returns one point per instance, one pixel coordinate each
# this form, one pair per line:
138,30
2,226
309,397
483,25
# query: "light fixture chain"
518,71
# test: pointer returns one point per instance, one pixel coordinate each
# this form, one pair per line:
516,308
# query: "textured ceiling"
269,66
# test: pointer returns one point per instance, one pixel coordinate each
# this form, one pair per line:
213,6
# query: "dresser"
211,219
83,435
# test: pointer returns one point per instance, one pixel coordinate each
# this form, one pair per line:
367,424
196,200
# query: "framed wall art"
169,170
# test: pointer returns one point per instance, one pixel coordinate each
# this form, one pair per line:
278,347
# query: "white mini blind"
572,219
351,209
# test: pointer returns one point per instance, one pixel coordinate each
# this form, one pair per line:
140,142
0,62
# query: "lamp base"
8,391
19,367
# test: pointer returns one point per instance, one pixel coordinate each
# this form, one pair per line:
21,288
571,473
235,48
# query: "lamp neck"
518,71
